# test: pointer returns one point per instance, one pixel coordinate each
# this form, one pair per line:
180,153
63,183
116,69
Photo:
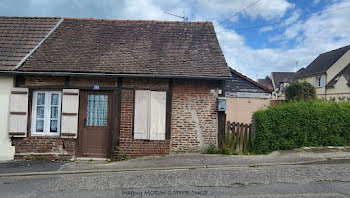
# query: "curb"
99,171
46,173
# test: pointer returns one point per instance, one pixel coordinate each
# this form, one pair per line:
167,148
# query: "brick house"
98,88
17,38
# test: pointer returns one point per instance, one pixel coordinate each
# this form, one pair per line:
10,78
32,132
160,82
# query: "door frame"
110,132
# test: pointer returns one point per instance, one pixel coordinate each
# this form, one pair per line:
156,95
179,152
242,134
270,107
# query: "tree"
298,91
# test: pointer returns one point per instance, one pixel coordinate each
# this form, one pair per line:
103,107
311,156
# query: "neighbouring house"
244,97
266,82
105,88
330,74
18,38
280,81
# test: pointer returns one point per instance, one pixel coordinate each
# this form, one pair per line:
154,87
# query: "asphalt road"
308,180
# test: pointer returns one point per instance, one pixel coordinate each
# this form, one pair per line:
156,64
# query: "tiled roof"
19,35
266,82
279,77
131,47
323,62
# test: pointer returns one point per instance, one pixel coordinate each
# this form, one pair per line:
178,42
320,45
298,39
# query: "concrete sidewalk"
210,160
183,161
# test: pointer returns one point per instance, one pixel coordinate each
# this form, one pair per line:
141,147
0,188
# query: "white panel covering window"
150,115
46,113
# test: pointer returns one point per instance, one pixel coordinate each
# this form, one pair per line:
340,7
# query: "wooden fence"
237,135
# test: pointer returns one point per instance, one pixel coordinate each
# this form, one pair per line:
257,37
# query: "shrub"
299,124
211,149
298,91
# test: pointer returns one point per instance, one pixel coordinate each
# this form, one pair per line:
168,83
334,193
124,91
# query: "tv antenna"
184,18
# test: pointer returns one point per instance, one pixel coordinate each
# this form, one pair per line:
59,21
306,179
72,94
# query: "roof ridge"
29,17
134,20
336,49
38,45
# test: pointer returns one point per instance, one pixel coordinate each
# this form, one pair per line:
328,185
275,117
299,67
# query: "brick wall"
44,147
193,125
127,144
194,117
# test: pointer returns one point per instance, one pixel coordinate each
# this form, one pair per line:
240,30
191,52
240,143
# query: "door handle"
84,123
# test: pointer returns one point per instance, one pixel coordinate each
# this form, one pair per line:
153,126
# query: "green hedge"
299,124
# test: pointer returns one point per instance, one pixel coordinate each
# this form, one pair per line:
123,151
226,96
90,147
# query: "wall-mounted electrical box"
221,103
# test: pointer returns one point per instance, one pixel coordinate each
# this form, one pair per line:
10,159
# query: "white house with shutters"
329,73
7,151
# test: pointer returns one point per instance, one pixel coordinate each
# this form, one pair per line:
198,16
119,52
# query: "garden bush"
300,124
298,91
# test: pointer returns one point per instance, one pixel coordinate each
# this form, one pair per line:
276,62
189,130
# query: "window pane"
53,126
39,125
40,99
54,99
97,110
54,112
40,111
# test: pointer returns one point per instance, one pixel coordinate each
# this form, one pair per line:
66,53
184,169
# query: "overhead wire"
244,9
281,22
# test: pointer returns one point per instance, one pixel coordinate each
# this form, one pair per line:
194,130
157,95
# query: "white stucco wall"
340,91
320,91
6,150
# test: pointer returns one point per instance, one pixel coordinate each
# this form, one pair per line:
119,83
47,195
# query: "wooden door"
94,120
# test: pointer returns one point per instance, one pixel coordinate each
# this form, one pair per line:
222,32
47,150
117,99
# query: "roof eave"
115,75
313,74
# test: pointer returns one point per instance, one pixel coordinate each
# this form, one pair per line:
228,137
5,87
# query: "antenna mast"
184,18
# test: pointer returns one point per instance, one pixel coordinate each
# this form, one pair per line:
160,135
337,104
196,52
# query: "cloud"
314,35
269,10
315,2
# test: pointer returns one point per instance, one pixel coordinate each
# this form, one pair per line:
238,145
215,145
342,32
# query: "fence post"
241,139
236,135
232,145
246,137
227,133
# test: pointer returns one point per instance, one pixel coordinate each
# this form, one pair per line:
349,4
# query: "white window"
150,115
281,86
319,81
46,113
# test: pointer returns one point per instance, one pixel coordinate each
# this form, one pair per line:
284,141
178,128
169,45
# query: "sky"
257,36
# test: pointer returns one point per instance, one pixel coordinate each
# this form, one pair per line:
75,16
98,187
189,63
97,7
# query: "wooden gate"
237,135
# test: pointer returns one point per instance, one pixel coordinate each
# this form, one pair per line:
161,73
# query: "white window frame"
47,113
148,130
319,81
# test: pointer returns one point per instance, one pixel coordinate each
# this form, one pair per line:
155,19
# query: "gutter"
111,75
38,45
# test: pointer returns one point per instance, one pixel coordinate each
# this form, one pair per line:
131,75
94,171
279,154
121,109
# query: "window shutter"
158,115
142,107
314,81
322,81
70,110
18,112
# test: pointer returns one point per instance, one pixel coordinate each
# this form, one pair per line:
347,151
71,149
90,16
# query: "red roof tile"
131,47
19,35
